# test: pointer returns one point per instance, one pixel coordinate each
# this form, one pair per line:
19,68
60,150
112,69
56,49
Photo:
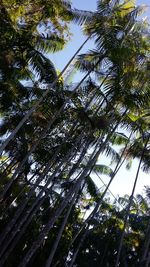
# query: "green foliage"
102,239
91,187
103,169
50,161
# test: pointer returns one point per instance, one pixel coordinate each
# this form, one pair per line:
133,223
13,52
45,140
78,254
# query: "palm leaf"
42,66
103,169
81,16
91,187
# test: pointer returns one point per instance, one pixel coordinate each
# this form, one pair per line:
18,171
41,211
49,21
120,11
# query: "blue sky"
77,39
85,4
123,182
61,58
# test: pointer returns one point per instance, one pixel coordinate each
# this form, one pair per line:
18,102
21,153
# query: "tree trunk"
54,248
12,135
29,213
129,206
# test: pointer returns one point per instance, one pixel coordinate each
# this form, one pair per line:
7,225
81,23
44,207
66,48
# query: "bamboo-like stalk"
60,209
3,162
148,260
33,148
28,219
8,168
22,190
86,222
38,203
19,168
40,100
129,205
78,248
146,244
42,135
54,248
29,213
87,106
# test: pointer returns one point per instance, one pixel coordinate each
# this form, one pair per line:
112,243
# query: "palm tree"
49,158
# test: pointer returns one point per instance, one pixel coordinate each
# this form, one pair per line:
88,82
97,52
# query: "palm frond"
103,169
47,44
119,139
91,187
111,152
42,66
81,16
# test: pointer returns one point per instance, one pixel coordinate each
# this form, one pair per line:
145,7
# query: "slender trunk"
129,206
104,253
58,149
8,168
29,213
60,209
92,214
19,169
48,166
40,100
148,260
23,228
118,166
87,221
54,248
146,244
78,248
23,188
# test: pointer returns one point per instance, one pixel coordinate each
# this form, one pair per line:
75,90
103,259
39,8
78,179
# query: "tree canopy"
53,134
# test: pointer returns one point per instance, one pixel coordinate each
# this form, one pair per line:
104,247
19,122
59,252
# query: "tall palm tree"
49,158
